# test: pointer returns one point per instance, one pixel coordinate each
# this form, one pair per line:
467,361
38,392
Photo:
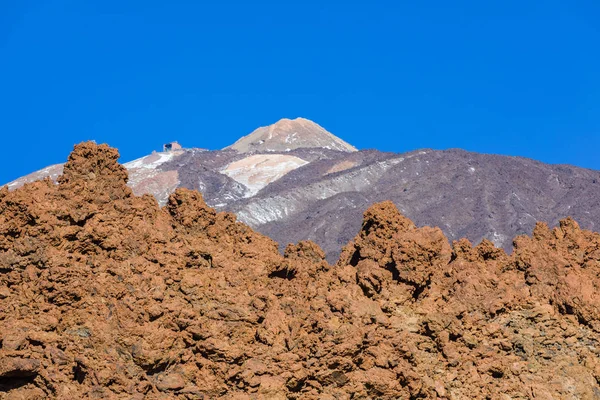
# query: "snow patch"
150,162
498,239
291,138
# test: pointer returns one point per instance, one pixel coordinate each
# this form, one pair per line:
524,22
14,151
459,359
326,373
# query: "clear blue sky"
507,77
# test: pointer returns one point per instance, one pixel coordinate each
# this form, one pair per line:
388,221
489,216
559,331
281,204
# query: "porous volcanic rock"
106,295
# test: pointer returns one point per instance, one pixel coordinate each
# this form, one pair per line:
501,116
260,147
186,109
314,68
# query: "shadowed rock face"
104,294
319,194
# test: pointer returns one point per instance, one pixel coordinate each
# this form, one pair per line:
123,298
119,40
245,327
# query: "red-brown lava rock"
106,295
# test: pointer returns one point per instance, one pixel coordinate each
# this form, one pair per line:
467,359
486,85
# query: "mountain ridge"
319,194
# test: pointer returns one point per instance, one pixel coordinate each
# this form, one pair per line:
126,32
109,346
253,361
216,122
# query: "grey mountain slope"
466,194
200,171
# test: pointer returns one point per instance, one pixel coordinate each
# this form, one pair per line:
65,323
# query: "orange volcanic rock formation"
106,295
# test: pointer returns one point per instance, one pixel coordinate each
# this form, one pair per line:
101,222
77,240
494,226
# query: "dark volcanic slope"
465,194
200,171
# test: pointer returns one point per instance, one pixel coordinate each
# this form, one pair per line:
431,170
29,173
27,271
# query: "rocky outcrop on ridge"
104,294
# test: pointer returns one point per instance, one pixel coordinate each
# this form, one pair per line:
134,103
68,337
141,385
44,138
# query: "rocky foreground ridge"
106,295
293,182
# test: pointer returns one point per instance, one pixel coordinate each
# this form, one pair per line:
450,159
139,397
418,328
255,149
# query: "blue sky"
507,77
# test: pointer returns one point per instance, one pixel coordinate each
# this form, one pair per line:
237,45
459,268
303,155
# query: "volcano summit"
287,134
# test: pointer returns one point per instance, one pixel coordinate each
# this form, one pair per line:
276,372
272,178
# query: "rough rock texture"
106,295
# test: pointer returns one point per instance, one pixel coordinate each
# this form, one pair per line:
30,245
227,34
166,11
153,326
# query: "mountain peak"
289,134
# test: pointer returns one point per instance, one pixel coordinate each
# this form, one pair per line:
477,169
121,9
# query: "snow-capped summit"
290,134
